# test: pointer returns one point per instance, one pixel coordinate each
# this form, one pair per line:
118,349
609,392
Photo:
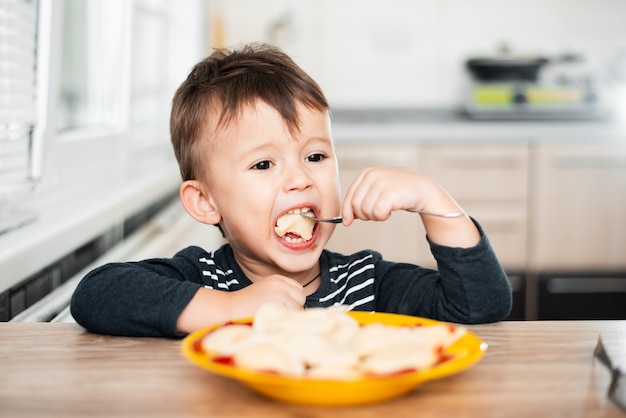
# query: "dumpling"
295,224
224,340
392,358
266,355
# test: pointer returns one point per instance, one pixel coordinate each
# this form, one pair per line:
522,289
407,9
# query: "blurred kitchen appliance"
508,86
582,296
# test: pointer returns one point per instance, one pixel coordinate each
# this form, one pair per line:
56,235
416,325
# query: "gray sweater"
145,298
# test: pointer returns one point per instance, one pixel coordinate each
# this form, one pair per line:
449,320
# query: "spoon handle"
338,219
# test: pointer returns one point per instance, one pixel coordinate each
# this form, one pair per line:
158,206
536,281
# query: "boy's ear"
198,203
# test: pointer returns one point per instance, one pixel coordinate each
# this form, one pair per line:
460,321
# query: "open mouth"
294,228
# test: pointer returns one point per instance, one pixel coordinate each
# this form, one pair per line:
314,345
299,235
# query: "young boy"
251,133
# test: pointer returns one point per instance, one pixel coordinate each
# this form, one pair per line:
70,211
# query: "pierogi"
296,225
327,343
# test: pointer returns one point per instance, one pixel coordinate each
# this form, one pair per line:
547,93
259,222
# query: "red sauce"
443,358
399,372
225,360
248,323
197,346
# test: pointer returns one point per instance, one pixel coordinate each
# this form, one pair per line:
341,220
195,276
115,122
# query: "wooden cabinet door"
579,210
490,182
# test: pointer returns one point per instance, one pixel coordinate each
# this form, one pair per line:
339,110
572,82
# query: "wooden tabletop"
531,369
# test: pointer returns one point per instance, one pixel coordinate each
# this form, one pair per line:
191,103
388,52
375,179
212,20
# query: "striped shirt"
347,281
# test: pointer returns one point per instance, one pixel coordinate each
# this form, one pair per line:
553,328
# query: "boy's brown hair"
225,82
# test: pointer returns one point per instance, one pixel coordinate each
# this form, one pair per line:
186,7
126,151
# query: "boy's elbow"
493,316
86,302
496,309
80,308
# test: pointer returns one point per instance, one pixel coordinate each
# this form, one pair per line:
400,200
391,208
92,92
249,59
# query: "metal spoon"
338,219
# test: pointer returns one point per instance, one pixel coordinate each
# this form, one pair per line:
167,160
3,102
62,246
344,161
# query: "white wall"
372,53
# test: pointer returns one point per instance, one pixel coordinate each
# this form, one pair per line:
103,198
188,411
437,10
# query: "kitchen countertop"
434,125
532,368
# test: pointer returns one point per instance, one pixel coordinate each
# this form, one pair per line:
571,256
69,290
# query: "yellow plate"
466,351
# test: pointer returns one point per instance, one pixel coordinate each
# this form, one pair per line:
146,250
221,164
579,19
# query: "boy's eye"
262,165
316,157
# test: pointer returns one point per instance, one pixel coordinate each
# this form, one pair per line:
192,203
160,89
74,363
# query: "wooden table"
531,369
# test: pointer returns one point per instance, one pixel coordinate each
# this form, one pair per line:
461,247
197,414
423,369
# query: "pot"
506,68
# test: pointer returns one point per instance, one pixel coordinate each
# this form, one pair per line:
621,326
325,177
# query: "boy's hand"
377,192
210,306
274,288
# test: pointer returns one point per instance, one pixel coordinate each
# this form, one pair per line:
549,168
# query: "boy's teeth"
298,211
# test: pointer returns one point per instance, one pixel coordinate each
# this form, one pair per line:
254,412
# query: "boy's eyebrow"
322,138
257,148
315,140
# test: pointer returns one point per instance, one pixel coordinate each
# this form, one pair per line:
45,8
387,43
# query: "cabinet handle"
480,163
586,285
357,162
506,227
577,161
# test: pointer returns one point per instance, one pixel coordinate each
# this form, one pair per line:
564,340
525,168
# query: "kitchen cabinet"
398,238
490,182
579,207
550,196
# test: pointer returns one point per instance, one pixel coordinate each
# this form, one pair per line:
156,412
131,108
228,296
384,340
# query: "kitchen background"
402,53
541,163
397,77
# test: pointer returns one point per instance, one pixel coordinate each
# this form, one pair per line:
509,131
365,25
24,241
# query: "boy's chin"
297,261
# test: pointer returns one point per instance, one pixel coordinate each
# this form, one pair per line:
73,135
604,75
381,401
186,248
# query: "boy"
251,133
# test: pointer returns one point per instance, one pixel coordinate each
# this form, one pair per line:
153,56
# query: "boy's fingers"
350,201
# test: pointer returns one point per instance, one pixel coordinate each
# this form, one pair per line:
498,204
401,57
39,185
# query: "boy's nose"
297,177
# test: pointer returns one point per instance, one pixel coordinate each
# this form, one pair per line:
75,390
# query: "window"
91,110
91,94
17,107
17,92
113,94
86,120
149,110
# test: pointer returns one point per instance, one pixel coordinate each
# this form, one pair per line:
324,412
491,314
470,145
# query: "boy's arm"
132,299
167,298
470,286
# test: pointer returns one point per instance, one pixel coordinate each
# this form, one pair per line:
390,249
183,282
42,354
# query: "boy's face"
257,172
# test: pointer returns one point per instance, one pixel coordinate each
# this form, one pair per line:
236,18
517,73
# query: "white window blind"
18,33
18,26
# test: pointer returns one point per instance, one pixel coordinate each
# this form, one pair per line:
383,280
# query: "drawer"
360,156
496,172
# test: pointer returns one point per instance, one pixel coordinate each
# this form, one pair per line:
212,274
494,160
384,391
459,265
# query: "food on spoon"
296,225
327,343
